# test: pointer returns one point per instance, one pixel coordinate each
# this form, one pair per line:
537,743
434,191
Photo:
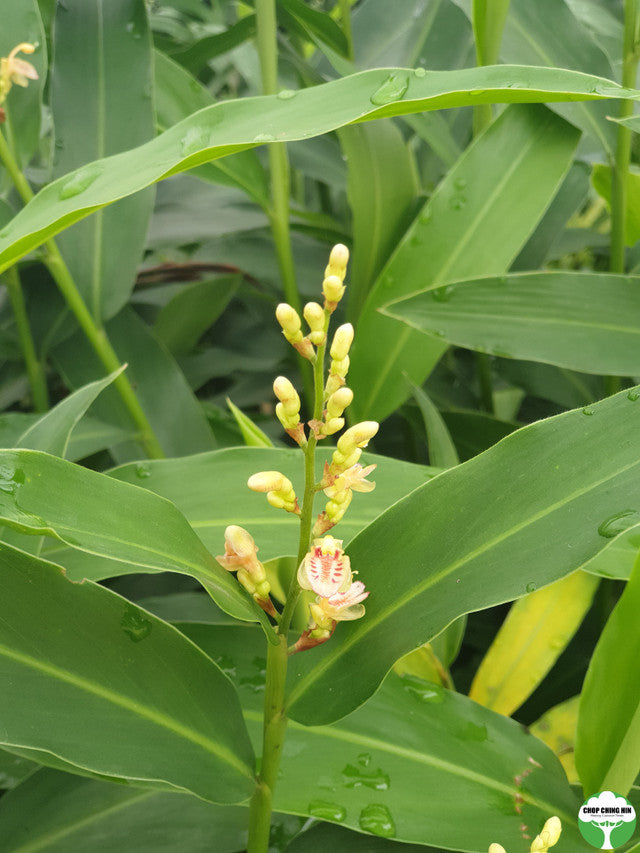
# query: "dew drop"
531,587
195,139
143,470
416,240
458,202
326,810
393,89
80,181
426,691
10,479
134,624
264,137
618,523
376,819
364,759
287,94
633,395
587,411
226,665
420,72
361,777
442,294
460,184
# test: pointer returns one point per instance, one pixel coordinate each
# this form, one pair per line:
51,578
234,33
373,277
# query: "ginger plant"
323,567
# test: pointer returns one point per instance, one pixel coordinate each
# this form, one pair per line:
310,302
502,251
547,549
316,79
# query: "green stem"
35,370
96,335
345,16
623,145
275,721
483,369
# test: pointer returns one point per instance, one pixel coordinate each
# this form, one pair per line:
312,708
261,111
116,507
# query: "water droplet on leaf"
135,625
80,181
393,89
442,294
195,139
359,777
326,810
458,202
376,819
587,411
143,470
287,94
426,691
264,137
460,183
618,523
633,395
531,587
420,72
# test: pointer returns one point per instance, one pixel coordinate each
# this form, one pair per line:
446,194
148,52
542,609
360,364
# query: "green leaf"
123,694
401,765
313,24
101,102
177,96
482,533
381,189
608,734
252,434
584,321
536,631
617,558
326,836
197,56
100,515
51,433
186,317
14,769
171,406
21,22
601,180
442,450
510,173
231,126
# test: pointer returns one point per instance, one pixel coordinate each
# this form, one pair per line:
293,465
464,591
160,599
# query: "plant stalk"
35,369
95,334
275,720
623,144
345,17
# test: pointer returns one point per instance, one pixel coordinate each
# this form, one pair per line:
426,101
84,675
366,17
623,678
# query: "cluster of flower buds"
14,70
240,556
541,843
279,489
326,570
288,409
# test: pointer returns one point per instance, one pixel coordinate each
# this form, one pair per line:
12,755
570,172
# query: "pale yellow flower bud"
333,289
290,321
315,317
288,396
269,481
332,425
496,848
239,541
338,402
357,436
338,260
334,382
342,341
548,837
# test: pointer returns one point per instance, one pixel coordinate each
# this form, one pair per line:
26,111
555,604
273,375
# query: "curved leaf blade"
232,126
481,533
123,694
41,494
584,321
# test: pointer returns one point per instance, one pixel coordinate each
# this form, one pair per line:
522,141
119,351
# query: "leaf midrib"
163,721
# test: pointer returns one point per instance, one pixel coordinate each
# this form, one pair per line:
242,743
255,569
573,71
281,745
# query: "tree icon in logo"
607,820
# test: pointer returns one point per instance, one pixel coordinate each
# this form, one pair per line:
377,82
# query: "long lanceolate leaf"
510,174
519,516
97,514
587,322
232,126
92,680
